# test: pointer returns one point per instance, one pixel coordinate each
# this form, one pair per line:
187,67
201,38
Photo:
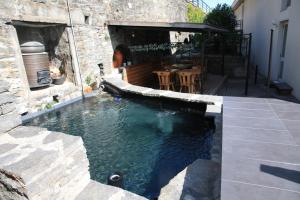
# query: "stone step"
283,88
99,191
9,121
52,164
26,131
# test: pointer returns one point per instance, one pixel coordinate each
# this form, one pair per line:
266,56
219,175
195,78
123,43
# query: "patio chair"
187,81
198,64
165,82
198,75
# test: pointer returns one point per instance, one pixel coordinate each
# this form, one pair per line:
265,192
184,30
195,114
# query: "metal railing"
201,4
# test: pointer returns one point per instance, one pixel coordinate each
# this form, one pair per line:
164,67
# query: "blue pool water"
143,140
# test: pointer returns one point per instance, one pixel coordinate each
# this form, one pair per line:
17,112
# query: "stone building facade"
84,30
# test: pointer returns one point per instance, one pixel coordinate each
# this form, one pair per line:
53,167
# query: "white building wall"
259,17
291,72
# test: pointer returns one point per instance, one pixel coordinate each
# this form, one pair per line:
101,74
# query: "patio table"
182,66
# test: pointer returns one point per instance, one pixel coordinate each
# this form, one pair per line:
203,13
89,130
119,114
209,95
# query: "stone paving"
98,191
261,149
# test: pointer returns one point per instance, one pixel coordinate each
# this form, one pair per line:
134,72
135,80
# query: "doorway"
283,38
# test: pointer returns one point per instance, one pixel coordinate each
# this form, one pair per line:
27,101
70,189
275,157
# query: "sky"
213,3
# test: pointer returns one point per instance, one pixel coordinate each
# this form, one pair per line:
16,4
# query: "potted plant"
88,82
58,75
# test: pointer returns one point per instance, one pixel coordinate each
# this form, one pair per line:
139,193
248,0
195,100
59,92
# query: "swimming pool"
148,142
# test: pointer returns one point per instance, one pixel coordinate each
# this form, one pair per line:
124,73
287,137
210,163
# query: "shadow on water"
188,143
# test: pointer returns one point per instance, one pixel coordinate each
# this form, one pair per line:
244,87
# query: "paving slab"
99,191
265,173
260,149
238,112
258,135
239,191
253,122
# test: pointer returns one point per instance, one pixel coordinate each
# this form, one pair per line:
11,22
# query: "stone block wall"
93,41
9,118
148,10
12,72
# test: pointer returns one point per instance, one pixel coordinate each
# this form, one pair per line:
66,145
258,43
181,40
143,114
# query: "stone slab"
258,135
9,121
263,151
98,191
253,122
234,190
265,173
6,97
238,112
260,149
126,87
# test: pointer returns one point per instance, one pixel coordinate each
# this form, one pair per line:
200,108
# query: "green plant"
195,14
48,106
222,15
51,104
88,80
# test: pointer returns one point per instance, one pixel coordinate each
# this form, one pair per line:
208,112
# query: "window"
285,4
87,19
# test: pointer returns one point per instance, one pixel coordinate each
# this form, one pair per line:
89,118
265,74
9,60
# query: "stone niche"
55,40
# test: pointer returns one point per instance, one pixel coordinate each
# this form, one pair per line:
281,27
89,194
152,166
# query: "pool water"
147,143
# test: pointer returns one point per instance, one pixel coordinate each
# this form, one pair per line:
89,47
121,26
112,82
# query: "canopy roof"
175,26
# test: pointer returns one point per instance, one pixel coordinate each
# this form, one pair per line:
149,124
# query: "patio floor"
261,145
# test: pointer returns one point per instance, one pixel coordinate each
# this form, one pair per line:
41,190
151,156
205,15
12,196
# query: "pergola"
174,26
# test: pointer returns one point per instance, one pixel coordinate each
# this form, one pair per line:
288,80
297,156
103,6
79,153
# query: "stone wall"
148,10
12,89
9,118
93,41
